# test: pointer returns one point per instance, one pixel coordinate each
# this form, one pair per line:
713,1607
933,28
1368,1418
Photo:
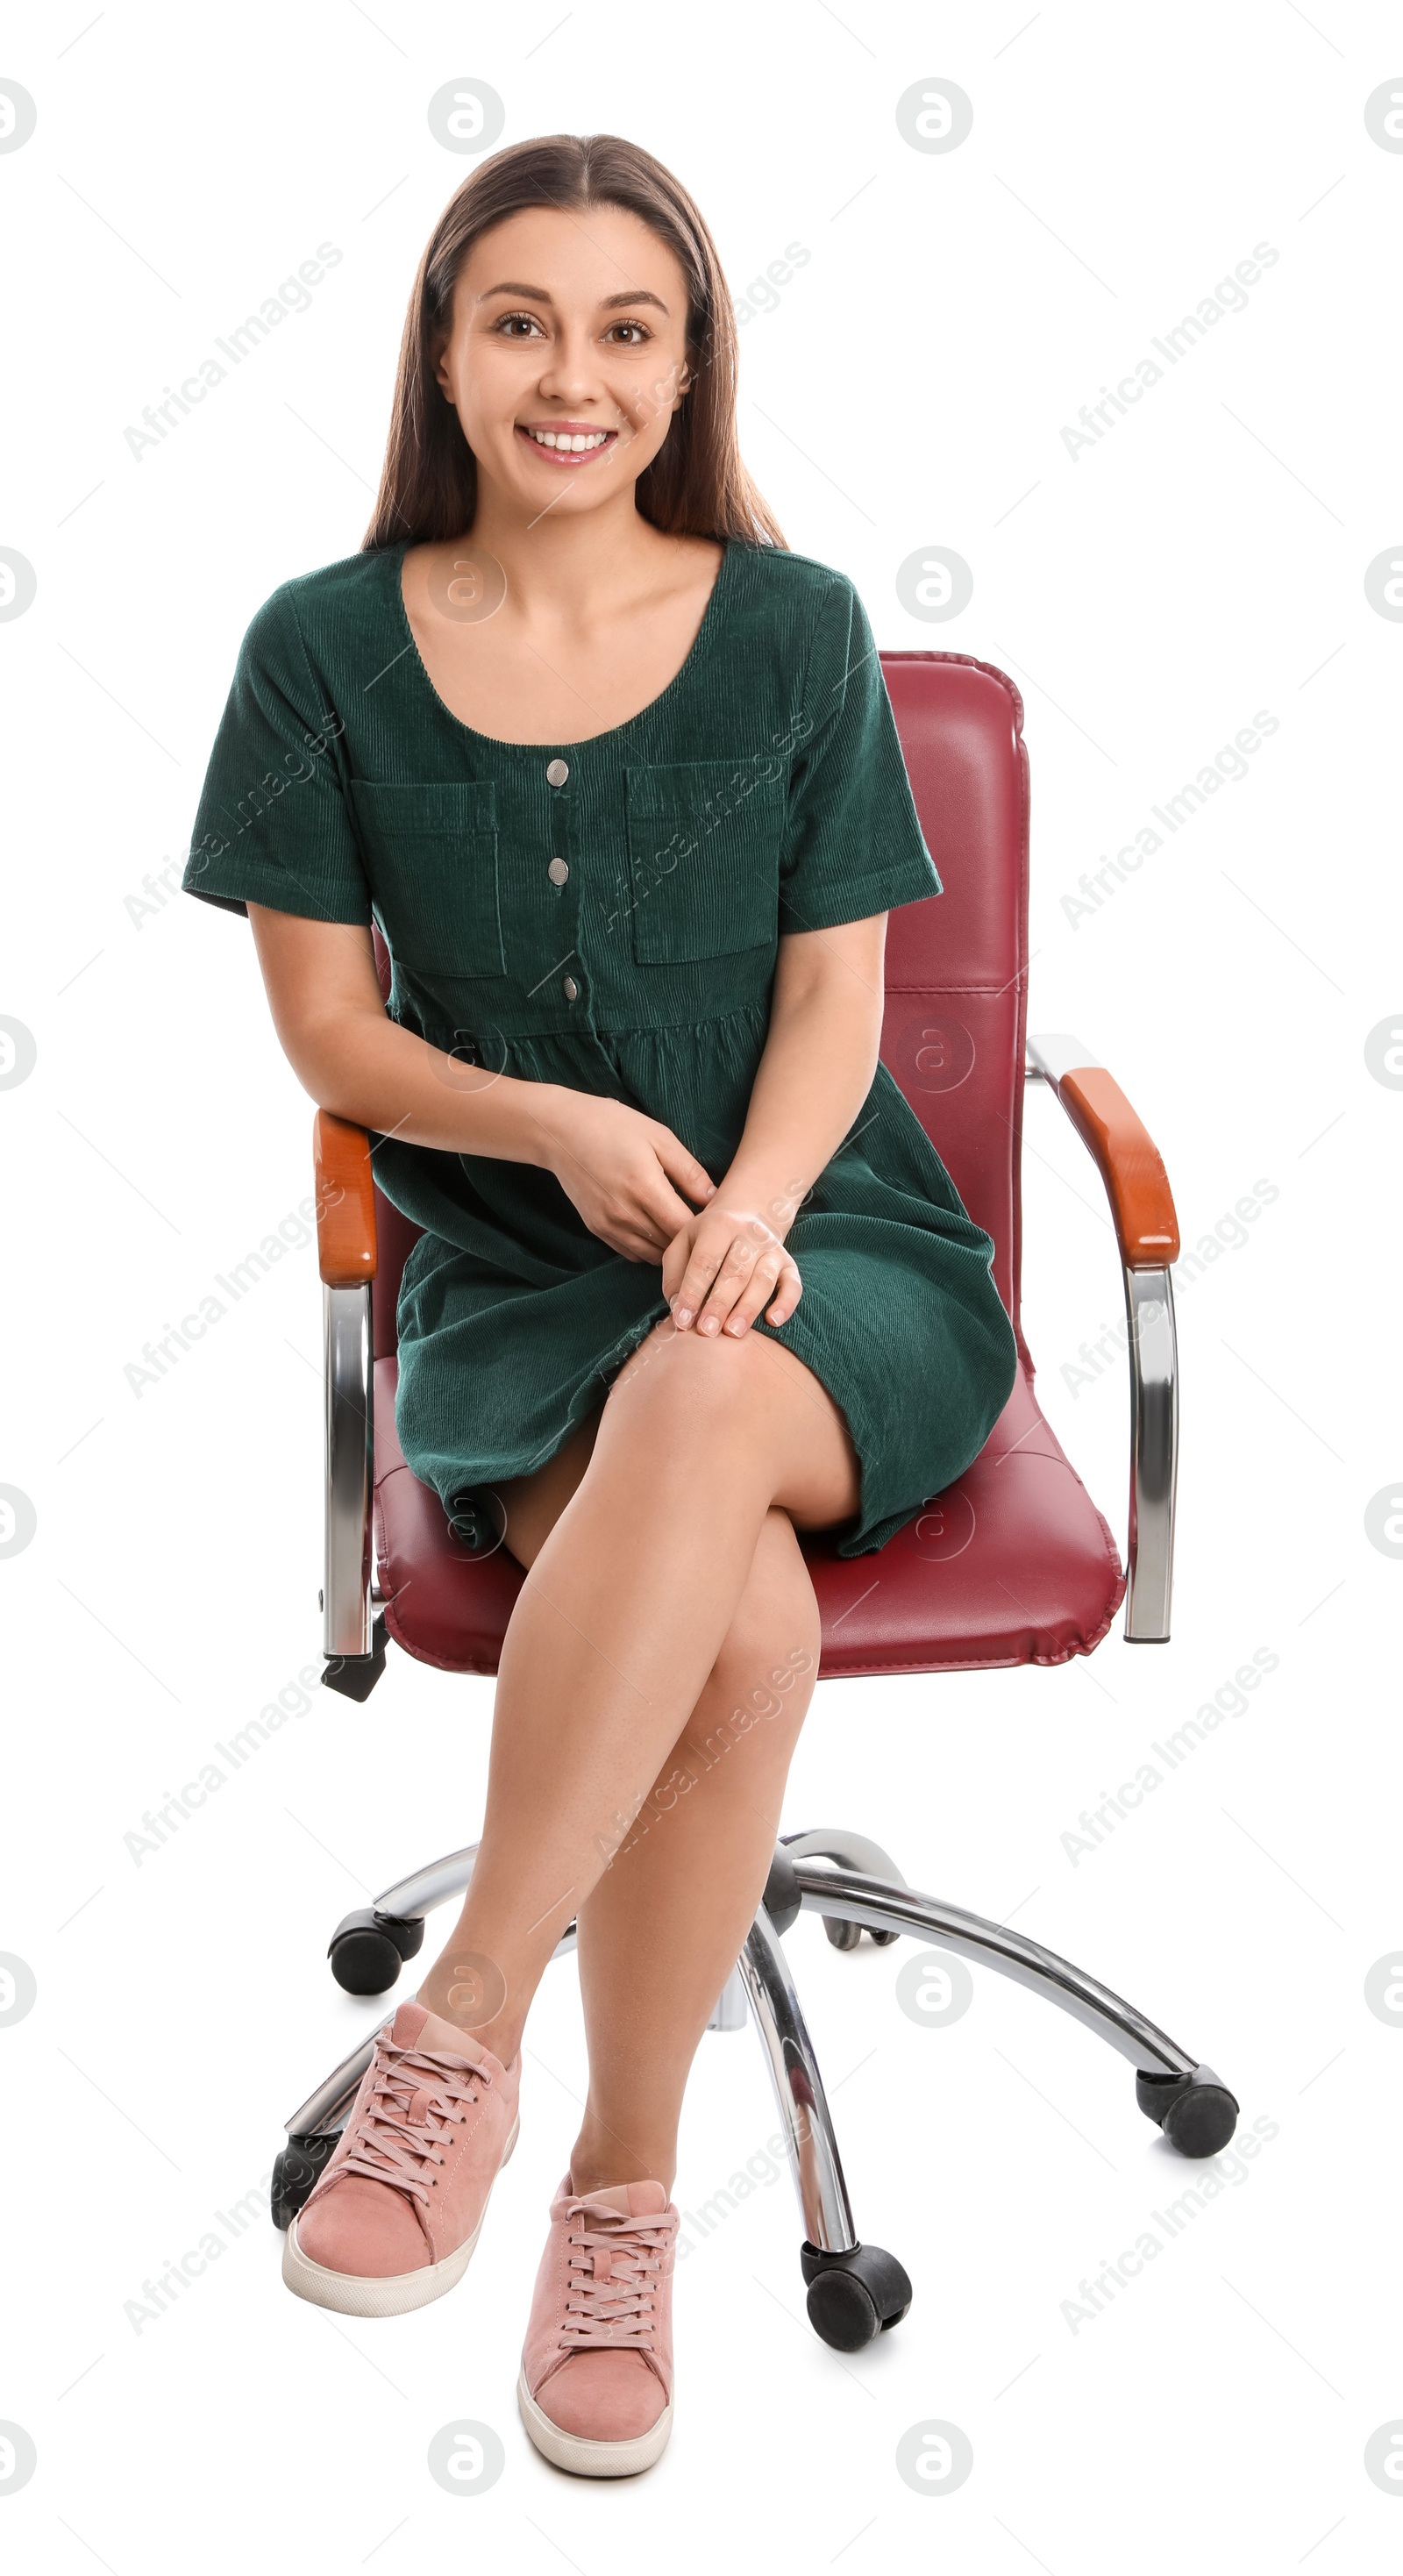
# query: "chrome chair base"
855,2291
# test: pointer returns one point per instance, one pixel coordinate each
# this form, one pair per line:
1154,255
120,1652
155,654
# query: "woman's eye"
517,326
637,332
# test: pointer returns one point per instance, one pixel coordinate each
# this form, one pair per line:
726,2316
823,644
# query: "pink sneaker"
394,2218
595,2390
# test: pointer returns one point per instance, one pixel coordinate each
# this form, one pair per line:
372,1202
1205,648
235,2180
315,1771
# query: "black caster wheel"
367,1950
854,2297
884,1940
295,2170
1196,2112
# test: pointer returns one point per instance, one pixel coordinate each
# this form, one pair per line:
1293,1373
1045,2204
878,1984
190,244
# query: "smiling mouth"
567,447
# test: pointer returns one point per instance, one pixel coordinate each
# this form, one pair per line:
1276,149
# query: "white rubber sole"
591,2459
354,2294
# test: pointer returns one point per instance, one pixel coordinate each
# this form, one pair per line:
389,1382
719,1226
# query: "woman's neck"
576,562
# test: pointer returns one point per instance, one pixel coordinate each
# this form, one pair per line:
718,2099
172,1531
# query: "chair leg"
313,2130
855,2291
814,2160
1185,2098
425,1888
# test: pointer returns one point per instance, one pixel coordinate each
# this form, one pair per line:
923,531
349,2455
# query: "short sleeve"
273,825
853,844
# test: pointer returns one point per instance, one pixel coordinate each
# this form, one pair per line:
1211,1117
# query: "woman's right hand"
623,1171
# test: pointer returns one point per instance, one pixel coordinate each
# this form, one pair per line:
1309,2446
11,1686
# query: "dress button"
571,989
558,871
557,771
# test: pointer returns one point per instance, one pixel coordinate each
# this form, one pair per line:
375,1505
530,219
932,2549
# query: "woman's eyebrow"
542,295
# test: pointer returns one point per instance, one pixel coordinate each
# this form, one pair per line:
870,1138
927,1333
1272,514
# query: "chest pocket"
703,850
433,873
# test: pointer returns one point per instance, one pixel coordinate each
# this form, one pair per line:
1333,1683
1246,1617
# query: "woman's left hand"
722,1266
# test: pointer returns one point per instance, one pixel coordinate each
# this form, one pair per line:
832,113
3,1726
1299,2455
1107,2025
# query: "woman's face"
567,327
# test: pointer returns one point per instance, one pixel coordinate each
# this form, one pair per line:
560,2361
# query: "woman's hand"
720,1268
623,1171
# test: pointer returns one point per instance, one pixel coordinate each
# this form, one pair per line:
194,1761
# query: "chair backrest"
957,967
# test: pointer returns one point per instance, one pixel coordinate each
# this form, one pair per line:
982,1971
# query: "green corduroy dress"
606,915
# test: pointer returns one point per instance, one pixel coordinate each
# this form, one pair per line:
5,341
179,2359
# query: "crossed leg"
652,1684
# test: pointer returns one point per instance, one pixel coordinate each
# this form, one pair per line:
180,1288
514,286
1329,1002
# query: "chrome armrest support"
347,1606
1154,1453
1153,1352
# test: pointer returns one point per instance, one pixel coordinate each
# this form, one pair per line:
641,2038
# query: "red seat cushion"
1012,1565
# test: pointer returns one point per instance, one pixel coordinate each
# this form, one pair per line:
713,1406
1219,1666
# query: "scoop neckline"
699,646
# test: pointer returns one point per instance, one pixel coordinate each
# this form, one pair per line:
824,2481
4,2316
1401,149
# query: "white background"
1205,560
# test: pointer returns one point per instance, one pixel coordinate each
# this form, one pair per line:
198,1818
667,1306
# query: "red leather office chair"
1013,1564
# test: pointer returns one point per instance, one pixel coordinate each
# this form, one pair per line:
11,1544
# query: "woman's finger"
758,1287
728,1283
787,1294
675,1259
646,1249
682,1167
706,1263
659,1208
632,1236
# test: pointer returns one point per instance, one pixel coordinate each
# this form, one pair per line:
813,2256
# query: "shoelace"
613,2276
413,2102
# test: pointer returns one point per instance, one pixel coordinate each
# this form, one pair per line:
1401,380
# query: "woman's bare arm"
621,1170
816,1071
324,995
818,1064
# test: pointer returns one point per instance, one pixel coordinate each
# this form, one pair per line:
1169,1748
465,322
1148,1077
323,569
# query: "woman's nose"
571,371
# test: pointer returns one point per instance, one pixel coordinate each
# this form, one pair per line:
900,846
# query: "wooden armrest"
1125,1154
346,1247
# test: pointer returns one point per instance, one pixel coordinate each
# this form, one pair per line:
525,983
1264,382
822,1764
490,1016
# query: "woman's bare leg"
659,1935
620,1622
661,1932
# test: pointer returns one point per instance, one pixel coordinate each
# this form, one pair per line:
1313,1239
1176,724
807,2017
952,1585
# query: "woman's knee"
694,1389
751,1397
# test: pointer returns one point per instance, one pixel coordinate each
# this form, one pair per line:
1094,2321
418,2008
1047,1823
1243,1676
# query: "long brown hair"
696,485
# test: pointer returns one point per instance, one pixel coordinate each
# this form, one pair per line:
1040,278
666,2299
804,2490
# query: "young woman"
617,775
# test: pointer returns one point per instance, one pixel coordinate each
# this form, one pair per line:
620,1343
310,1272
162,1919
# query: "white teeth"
576,442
